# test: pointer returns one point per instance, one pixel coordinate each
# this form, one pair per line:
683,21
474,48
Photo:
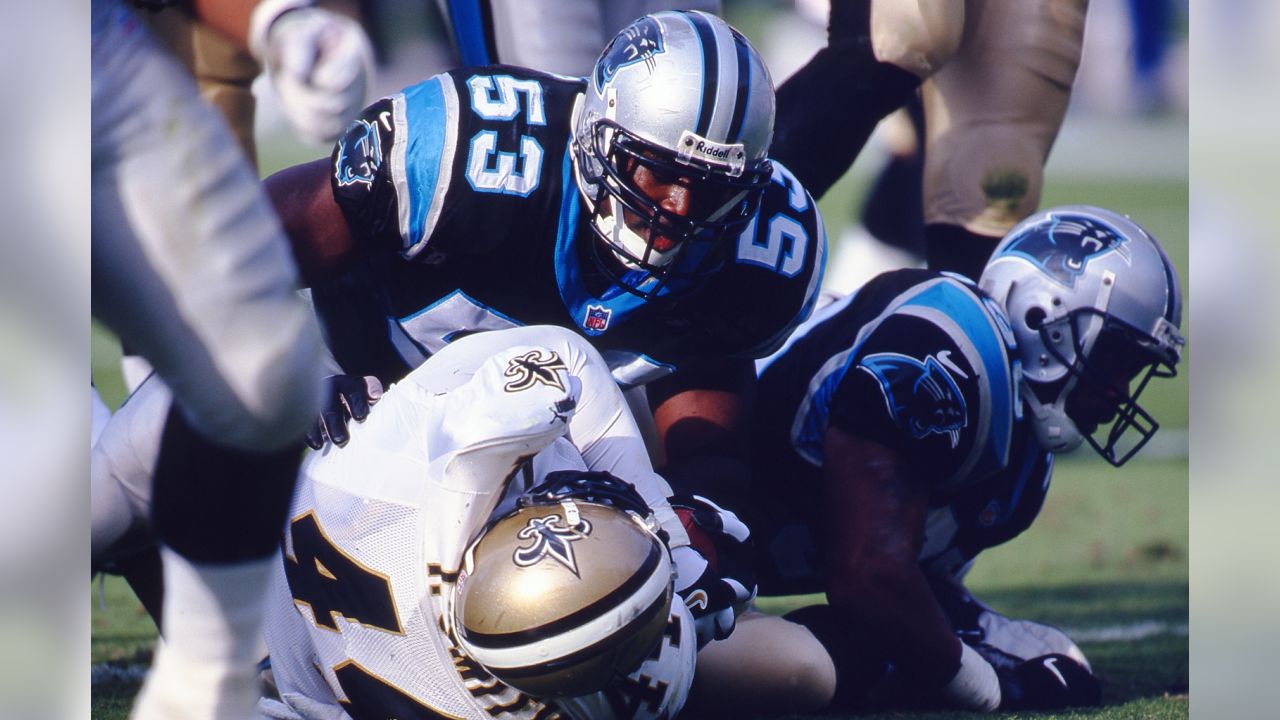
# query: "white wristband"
264,14
975,686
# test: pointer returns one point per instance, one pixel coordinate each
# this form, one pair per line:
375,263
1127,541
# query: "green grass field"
1108,558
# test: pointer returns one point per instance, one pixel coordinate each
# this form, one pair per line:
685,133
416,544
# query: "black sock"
214,504
952,248
893,212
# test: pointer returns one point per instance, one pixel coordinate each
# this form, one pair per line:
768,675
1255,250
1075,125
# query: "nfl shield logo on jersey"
597,319
988,516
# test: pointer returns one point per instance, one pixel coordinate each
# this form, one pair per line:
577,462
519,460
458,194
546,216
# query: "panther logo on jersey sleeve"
551,538
359,154
1062,248
922,397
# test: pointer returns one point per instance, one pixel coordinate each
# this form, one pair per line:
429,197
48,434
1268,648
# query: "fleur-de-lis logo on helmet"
552,537
532,368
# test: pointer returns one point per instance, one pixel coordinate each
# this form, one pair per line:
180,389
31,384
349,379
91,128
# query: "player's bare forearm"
322,243
874,513
701,417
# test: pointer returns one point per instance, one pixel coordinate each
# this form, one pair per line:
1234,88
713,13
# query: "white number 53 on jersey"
489,169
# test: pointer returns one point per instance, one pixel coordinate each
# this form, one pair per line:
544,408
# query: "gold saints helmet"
568,592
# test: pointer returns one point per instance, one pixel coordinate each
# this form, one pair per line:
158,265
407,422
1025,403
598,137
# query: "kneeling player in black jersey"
914,424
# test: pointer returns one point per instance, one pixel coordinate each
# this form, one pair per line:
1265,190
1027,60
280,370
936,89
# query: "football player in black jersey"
637,206
912,425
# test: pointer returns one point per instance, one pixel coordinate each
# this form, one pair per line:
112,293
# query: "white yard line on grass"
1127,633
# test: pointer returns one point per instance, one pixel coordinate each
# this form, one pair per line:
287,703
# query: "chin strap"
1055,431
622,236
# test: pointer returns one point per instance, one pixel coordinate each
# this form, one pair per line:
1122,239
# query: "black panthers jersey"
919,361
465,185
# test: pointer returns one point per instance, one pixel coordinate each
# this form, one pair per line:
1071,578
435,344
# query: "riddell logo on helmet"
693,146
703,148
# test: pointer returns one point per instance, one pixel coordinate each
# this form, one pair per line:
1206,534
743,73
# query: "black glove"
716,572
346,397
1048,682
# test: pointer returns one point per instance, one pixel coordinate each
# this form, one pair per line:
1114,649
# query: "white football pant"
190,265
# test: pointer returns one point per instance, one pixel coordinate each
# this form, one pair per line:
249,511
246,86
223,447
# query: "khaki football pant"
997,78
768,666
224,71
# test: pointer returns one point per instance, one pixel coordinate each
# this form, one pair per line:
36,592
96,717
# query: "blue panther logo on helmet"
1063,246
922,397
638,42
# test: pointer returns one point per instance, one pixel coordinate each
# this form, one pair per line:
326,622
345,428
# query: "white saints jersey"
359,622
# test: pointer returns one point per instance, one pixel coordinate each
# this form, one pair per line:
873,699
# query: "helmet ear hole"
1035,317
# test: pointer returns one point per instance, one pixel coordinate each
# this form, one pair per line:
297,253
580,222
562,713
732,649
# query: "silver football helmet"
1095,307
685,97
568,592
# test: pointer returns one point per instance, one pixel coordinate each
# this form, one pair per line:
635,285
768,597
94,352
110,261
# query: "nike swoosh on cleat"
1051,664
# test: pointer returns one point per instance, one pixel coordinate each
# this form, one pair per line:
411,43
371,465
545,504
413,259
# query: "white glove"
320,64
715,573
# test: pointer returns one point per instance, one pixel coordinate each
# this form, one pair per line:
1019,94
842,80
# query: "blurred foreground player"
914,424
319,63
190,268
995,76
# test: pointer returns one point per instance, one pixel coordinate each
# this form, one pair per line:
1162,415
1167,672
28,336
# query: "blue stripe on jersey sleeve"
427,119
968,311
808,432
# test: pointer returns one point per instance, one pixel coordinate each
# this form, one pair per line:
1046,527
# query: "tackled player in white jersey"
492,542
